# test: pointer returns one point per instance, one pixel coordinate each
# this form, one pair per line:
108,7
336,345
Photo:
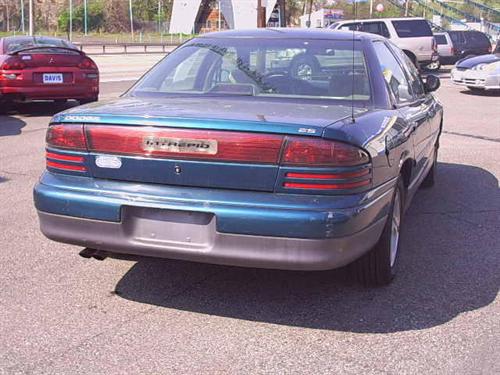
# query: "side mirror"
432,83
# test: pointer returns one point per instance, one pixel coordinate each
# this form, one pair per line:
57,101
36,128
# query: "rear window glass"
20,43
440,39
412,28
477,39
284,68
456,37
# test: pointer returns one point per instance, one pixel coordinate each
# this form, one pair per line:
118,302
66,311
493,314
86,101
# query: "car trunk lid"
232,144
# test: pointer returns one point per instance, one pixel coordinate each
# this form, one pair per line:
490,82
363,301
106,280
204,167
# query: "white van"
412,34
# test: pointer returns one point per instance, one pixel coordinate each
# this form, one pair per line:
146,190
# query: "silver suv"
413,35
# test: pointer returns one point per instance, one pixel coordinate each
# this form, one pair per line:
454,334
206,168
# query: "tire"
87,101
304,67
5,106
378,266
413,59
430,179
433,67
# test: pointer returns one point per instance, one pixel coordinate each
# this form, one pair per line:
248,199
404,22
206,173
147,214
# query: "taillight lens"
13,63
181,143
87,63
66,136
321,153
434,45
65,162
489,49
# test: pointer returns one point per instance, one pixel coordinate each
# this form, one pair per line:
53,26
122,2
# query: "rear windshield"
284,68
412,28
15,44
440,39
456,37
477,39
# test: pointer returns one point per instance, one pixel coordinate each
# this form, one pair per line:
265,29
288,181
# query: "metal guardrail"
125,48
484,7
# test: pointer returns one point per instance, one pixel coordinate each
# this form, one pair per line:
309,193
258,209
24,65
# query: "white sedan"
479,72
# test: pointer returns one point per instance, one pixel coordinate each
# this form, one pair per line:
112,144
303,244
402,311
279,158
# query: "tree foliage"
95,17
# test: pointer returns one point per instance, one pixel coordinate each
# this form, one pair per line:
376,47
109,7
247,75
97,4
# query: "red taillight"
87,63
322,153
76,159
434,45
66,136
67,167
13,63
65,162
339,186
489,49
327,176
160,143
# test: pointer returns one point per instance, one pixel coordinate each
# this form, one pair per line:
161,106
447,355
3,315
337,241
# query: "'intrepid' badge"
180,145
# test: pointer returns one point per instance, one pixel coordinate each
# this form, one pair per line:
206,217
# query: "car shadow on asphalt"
481,92
38,108
10,126
448,265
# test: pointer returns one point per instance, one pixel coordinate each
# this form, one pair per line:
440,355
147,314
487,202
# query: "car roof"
384,19
291,33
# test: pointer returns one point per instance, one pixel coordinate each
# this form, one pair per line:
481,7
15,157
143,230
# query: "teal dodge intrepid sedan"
275,148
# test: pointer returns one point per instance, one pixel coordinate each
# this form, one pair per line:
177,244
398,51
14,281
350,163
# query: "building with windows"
199,16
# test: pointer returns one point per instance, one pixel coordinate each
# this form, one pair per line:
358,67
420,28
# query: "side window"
393,73
416,83
378,28
384,31
350,26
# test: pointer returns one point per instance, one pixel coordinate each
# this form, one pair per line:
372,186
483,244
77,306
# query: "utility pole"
22,16
282,12
159,17
308,23
70,20
7,11
259,10
131,19
220,15
407,5
85,25
30,10
371,8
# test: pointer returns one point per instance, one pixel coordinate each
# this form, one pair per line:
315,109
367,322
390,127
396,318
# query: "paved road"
115,68
60,313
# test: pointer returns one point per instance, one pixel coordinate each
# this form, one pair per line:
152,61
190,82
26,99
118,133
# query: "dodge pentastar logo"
180,145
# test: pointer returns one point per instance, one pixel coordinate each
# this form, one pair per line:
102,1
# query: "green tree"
95,17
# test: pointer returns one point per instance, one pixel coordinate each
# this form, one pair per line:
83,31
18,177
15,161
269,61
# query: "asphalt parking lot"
60,313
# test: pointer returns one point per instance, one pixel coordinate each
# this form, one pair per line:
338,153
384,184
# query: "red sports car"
42,68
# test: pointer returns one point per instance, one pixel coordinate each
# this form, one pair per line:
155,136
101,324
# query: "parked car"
413,35
469,43
445,50
219,155
43,68
479,72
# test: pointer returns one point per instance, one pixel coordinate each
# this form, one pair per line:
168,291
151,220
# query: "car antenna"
352,73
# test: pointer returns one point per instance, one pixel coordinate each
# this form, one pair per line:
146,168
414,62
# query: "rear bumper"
217,248
73,91
254,229
448,60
